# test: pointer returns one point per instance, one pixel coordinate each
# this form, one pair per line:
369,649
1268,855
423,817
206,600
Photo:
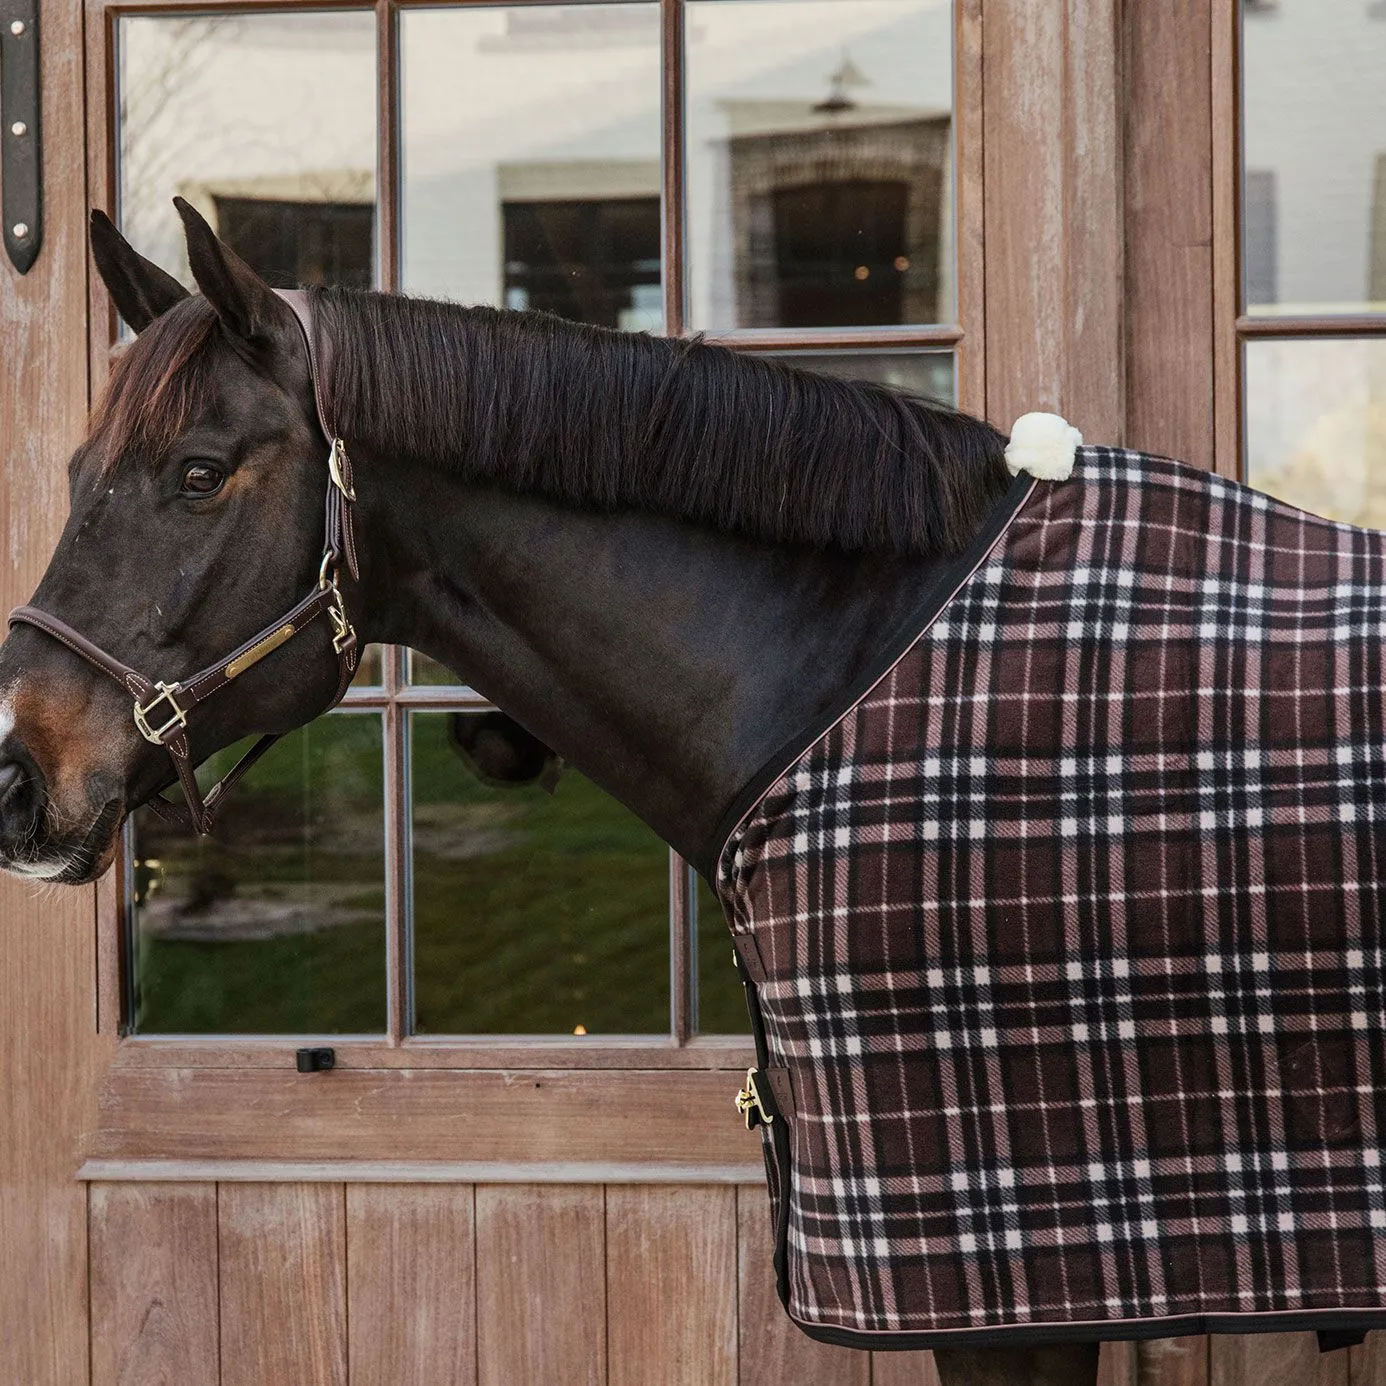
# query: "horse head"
197,503
661,556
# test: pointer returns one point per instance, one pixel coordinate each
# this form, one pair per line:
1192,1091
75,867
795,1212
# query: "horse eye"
202,479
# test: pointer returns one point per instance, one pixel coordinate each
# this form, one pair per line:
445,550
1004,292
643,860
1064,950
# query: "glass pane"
721,997
368,671
266,124
1316,425
926,373
1314,137
276,923
424,670
531,144
820,162
534,913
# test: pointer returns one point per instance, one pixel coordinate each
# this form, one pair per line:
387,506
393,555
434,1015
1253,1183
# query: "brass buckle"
334,469
179,718
749,1104
342,632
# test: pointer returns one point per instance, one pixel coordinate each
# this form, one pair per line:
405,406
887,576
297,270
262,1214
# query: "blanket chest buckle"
750,1105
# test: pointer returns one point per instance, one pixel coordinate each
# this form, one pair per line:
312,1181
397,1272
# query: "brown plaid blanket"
1065,938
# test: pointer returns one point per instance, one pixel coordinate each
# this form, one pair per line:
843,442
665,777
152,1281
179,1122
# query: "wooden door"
507,1207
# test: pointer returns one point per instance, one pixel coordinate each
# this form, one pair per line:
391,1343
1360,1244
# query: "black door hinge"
21,149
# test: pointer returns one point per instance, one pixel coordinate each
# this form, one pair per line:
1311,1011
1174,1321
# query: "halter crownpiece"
161,709
1043,445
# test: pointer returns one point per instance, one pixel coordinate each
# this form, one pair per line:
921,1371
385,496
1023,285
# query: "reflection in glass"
276,923
721,996
424,670
266,124
530,153
1316,425
926,373
534,912
1314,140
369,670
820,162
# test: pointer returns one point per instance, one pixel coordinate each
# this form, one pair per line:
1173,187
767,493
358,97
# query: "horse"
662,559
658,557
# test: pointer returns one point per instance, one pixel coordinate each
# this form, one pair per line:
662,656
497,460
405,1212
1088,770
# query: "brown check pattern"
1071,931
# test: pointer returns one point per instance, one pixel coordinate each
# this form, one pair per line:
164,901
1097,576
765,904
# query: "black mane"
596,418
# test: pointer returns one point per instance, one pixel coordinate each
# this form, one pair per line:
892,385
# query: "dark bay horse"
662,559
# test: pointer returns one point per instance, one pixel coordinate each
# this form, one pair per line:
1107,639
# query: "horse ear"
140,290
248,308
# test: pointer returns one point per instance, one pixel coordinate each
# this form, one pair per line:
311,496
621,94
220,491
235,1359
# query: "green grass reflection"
275,924
533,913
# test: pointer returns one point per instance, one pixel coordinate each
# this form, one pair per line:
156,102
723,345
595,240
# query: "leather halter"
161,709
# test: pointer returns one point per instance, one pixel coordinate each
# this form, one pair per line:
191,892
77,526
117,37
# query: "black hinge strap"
21,151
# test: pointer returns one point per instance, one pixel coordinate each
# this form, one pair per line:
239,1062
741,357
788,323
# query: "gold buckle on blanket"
750,1106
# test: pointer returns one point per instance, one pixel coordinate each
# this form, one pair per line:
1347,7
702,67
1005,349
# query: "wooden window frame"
1233,327
1047,298
395,697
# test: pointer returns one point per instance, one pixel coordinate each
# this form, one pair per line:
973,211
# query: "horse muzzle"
32,844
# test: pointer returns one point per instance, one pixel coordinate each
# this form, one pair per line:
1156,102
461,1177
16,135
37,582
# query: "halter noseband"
161,709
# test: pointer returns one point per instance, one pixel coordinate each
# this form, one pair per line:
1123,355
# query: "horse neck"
664,660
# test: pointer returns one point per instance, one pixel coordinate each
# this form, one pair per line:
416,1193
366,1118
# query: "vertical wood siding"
1169,230
505,1285
281,1265
1052,197
538,1247
671,1285
448,1285
48,1044
411,1275
154,1293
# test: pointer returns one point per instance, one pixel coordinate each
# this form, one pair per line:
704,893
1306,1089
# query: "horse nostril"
11,777
22,798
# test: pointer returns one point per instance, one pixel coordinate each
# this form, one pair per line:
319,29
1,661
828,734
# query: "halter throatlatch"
161,709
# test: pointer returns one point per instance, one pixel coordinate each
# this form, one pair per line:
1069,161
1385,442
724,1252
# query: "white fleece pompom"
1043,445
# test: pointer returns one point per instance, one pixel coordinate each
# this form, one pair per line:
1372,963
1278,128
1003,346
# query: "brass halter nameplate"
258,651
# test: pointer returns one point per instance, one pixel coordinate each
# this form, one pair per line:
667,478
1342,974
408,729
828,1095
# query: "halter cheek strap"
161,709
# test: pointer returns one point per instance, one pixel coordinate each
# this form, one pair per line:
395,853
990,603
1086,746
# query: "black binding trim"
1340,1326
937,593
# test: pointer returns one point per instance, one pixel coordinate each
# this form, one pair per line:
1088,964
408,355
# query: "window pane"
276,923
424,670
820,162
531,144
368,671
721,997
927,373
1316,425
266,124
534,913
1314,197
